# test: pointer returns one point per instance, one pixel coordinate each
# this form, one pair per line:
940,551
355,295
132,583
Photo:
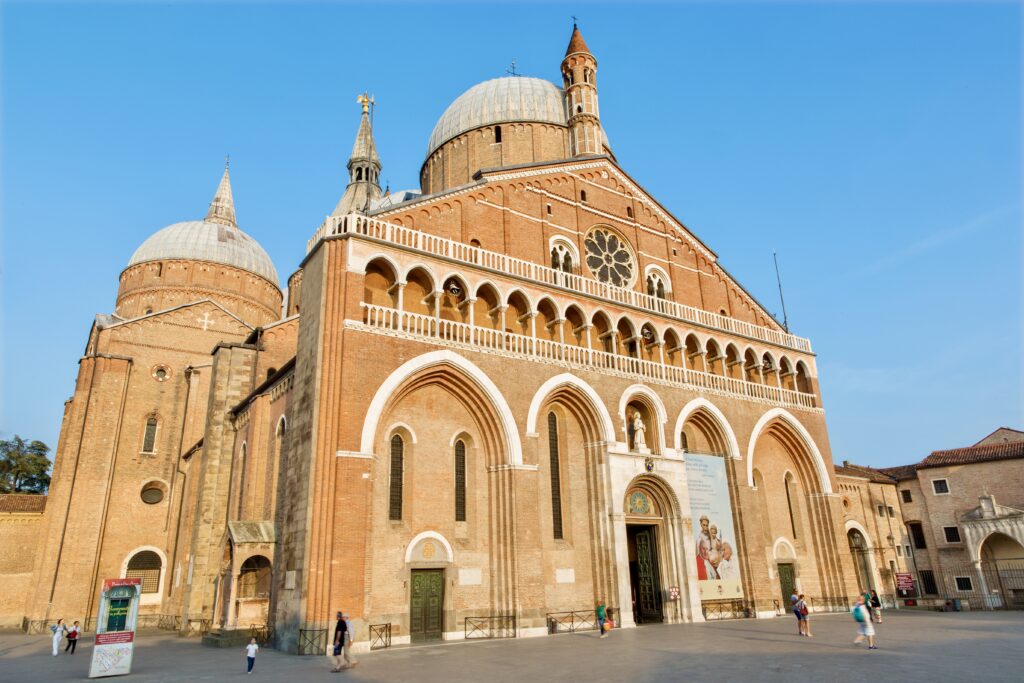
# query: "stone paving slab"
914,646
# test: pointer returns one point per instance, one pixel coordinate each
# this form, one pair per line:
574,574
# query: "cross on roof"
511,70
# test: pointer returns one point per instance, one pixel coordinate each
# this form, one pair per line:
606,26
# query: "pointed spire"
222,208
576,42
363,167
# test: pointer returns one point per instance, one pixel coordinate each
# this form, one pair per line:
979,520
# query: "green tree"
24,467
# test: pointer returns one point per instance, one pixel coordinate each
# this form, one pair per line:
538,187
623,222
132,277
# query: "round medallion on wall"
639,503
609,258
161,373
428,550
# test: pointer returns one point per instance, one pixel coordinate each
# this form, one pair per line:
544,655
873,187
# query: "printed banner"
718,566
112,654
904,582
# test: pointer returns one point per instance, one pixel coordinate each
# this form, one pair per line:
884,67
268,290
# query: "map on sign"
112,659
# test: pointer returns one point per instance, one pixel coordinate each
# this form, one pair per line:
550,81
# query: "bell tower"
579,80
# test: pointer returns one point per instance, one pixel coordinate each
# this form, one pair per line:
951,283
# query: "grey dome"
207,241
513,98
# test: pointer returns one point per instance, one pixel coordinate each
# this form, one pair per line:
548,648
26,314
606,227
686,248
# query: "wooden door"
787,582
426,611
649,583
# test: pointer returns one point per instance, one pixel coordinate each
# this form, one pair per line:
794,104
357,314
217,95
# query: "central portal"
644,575
426,617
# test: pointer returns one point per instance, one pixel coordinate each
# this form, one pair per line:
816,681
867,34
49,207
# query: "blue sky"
876,146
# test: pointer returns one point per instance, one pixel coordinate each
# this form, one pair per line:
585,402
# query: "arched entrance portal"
646,534
862,563
1002,571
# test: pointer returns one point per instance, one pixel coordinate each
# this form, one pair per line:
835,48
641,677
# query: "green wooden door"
787,582
649,585
426,612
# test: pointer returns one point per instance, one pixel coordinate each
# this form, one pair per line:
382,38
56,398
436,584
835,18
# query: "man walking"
339,642
346,650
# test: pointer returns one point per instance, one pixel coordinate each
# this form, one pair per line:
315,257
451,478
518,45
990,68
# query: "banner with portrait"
718,564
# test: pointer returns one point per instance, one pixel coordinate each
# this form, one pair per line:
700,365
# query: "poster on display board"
115,628
718,564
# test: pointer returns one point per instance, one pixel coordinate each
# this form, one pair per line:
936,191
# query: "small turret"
363,167
579,80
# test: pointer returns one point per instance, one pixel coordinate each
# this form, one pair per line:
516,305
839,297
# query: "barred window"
907,497
397,470
964,583
460,481
917,534
149,440
952,534
145,565
556,477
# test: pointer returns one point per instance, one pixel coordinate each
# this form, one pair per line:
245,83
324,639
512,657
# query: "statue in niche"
639,441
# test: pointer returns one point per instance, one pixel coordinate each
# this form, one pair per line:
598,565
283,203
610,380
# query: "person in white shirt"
250,653
58,633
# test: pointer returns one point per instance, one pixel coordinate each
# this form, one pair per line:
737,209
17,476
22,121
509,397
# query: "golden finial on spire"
366,100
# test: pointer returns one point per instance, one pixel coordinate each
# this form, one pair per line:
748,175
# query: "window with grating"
146,566
556,476
149,441
460,481
397,469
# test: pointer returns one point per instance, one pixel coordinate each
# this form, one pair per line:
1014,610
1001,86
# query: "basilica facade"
522,389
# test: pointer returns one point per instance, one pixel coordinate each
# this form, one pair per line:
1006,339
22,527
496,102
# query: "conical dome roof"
216,239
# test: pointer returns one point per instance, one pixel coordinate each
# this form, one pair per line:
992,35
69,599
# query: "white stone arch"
854,524
360,267
569,380
461,277
526,295
282,426
148,598
1004,528
433,535
660,273
493,285
419,265
719,417
569,246
508,423
648,393
400,425
559,310
789,419
785,543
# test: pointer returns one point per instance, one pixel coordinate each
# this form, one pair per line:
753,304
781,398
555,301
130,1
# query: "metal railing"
417,240
728,609
197,627
380,636
263,633
312,641
577,620
473,337
491,626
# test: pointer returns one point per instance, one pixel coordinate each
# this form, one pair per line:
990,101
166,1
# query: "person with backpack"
73,633
865,629
802,614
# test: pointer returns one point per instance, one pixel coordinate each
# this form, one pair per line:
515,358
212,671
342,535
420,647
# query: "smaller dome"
207,241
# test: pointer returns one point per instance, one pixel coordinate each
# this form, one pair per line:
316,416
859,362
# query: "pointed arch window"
460,481
149,437
397,470
556,477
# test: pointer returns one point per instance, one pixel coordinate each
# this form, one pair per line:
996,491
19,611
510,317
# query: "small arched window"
159,269
145,565
556,477
583,195
270,372
586,75
497,134
149,438
397,470
359,174
567,262
460,481
629,211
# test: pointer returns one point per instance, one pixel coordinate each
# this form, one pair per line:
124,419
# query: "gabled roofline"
125,321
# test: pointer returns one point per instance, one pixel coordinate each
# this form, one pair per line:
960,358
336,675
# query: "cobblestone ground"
914,646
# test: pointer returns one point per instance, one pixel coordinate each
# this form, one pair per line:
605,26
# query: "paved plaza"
914,646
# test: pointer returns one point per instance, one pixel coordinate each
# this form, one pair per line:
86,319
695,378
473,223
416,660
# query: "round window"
161,373
152,493
608,258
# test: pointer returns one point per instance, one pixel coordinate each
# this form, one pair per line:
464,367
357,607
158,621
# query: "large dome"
513,98
207,241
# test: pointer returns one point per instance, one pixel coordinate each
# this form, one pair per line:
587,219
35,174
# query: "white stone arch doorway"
863,554
431,583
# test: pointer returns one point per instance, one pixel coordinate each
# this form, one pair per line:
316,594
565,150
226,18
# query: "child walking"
250,653
865,629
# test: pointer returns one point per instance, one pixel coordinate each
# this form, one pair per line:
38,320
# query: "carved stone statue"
639,441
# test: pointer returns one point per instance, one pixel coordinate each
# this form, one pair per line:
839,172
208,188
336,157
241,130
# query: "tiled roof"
576,42
22,502
850,470
974,454
900,472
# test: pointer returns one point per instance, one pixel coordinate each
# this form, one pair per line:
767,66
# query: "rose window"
608,258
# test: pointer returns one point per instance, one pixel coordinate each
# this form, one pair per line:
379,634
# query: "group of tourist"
61,631
341,649
867,609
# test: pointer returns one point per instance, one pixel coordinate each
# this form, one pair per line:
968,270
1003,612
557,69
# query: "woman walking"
865,629
73,637
58,635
